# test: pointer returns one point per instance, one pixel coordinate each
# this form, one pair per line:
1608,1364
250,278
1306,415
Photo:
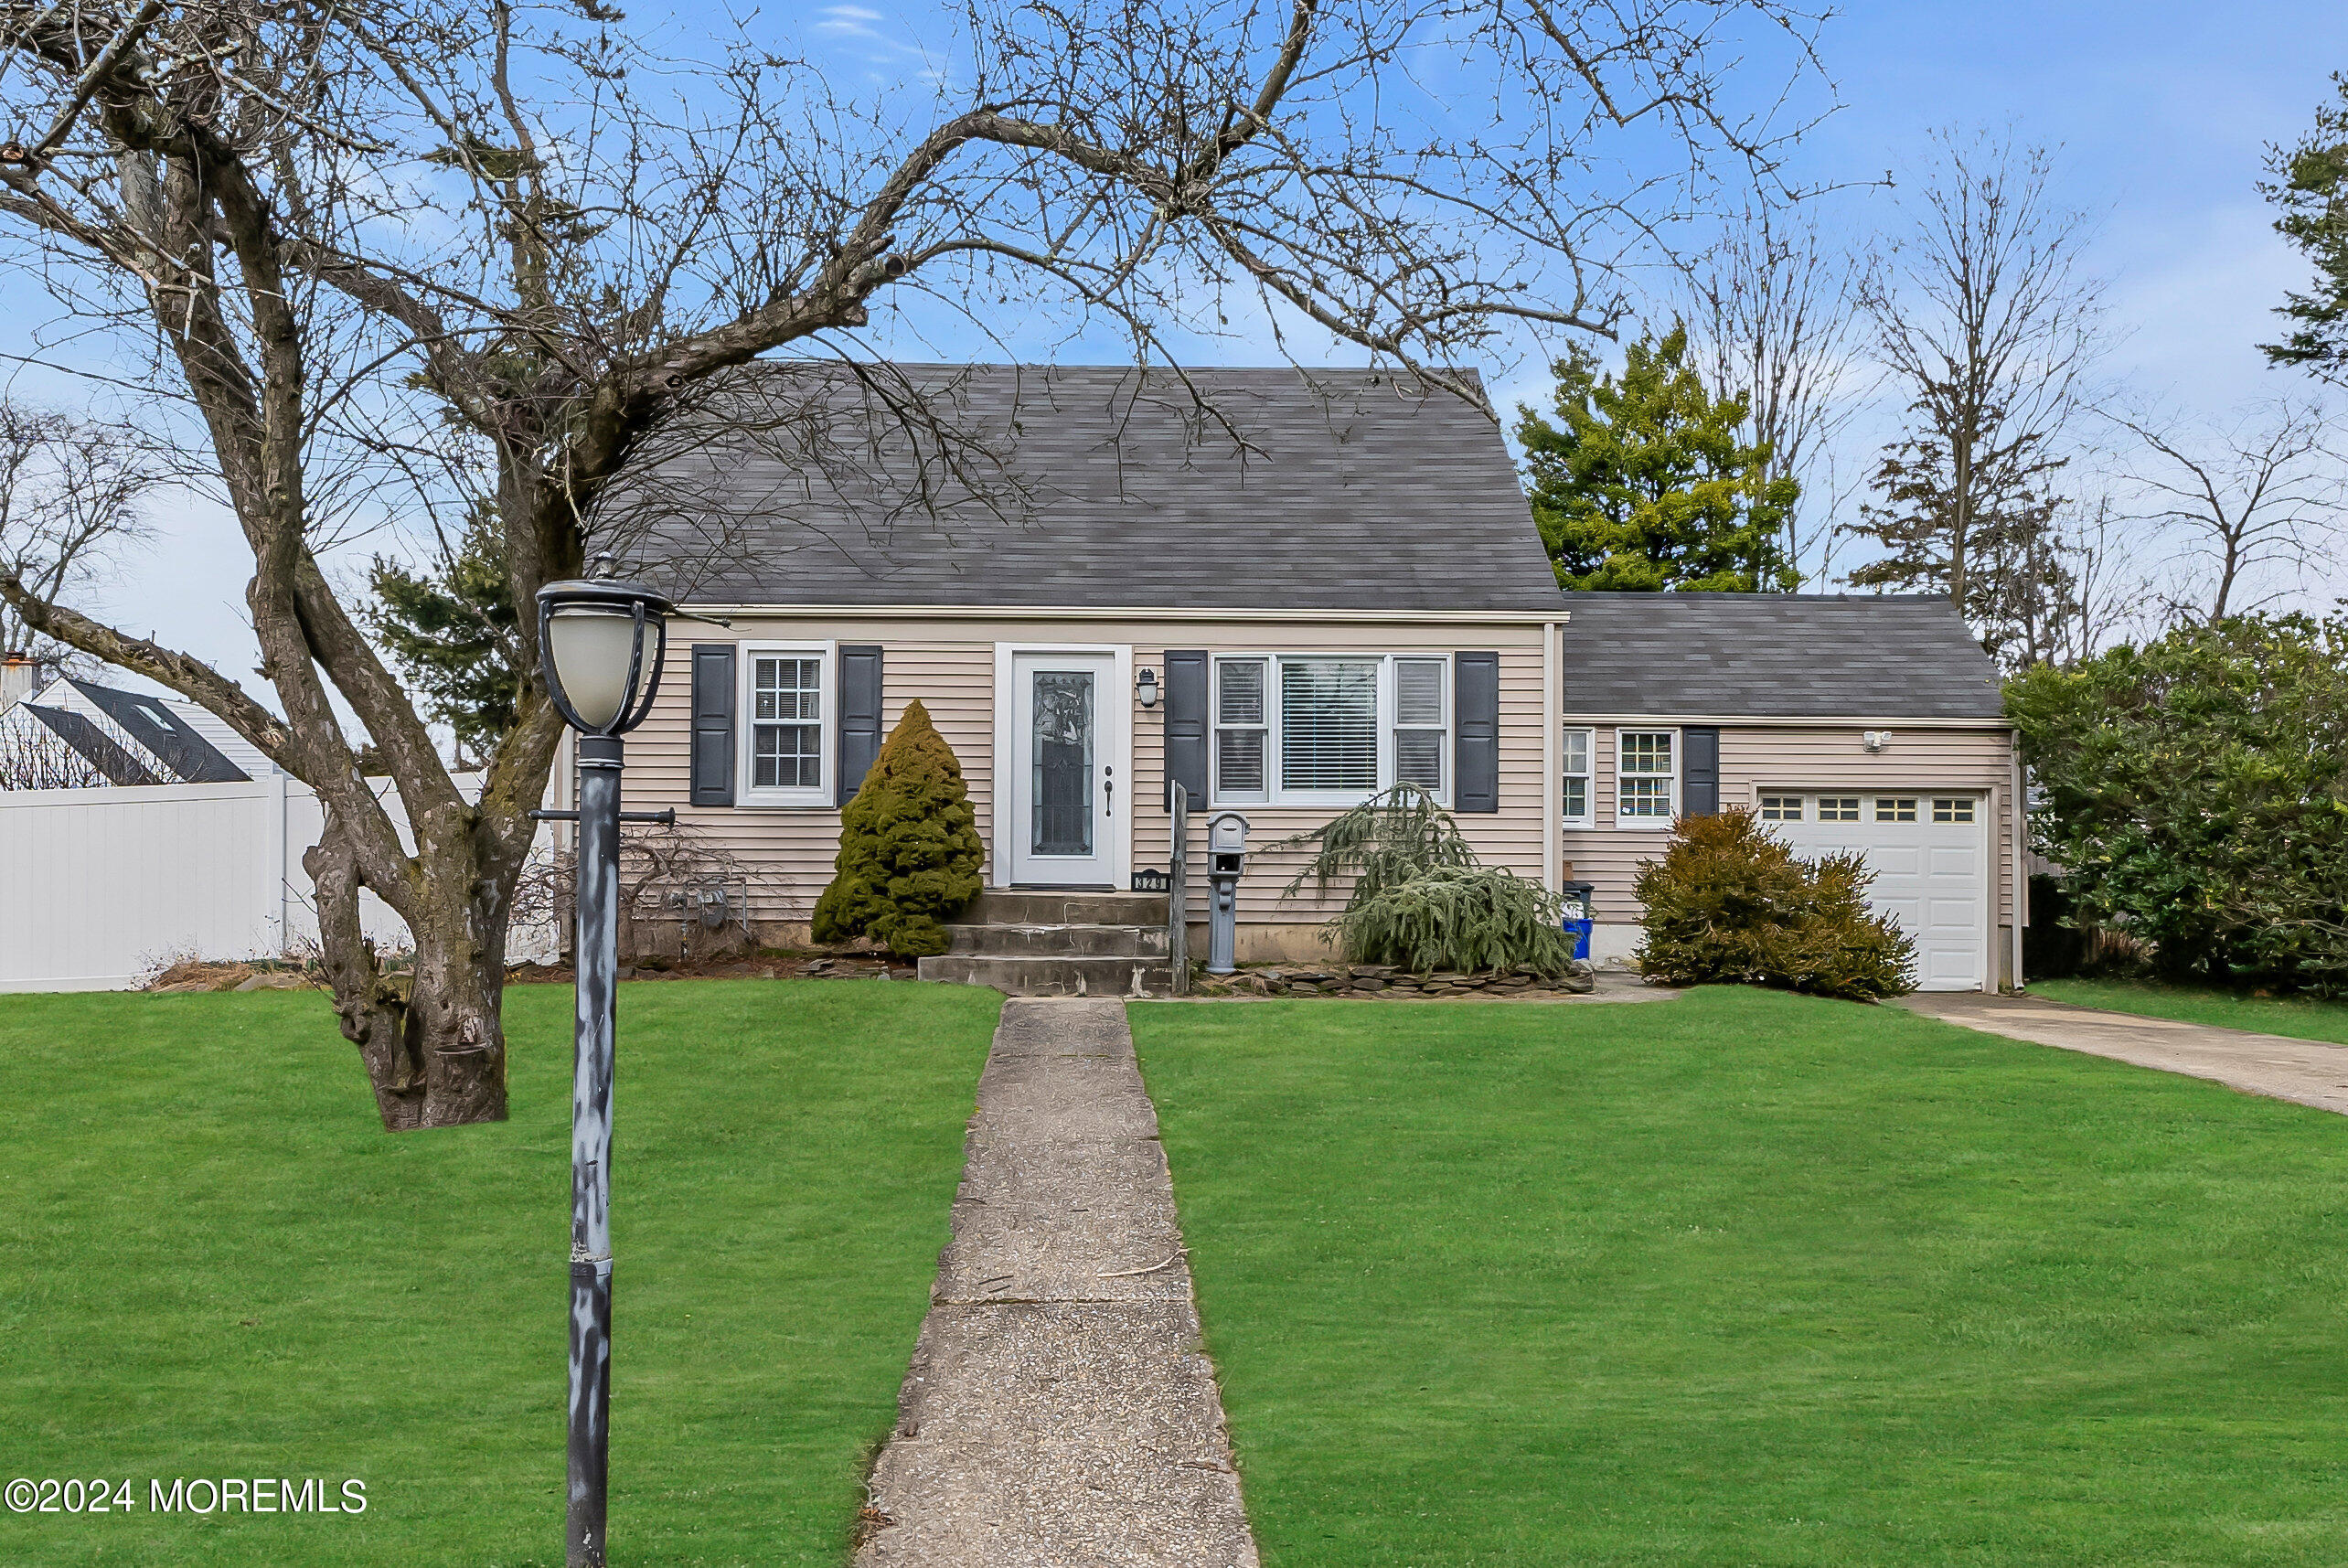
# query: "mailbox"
1226,859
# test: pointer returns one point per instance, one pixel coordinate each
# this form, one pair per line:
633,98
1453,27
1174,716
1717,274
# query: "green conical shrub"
909,848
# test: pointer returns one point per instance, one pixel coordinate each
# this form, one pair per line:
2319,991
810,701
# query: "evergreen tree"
909,847
1646,482
1985,538
453,636
2312,195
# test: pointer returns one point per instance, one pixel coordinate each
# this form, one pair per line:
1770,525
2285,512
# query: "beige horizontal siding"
950,666
1764,758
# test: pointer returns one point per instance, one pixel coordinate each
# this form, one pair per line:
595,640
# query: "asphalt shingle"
1775,656
1097,487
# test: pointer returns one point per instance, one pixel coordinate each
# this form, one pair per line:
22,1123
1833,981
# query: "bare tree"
2261,493
398,256
33,756
73,492
1772,308
1982,314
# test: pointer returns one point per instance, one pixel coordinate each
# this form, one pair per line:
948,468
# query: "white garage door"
1930,857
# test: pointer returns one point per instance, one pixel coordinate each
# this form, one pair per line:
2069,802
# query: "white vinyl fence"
98,887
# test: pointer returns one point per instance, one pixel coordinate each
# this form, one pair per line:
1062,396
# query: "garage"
1930,856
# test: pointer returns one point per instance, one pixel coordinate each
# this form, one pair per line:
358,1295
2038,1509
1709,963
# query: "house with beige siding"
1287,589
1868,723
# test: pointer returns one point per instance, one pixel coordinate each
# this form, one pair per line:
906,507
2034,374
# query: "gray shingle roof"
171,738
1775,656
1096,487
115,765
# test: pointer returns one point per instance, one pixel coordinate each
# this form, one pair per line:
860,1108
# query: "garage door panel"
1929,879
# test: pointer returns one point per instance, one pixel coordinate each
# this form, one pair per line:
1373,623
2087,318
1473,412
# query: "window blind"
1329,724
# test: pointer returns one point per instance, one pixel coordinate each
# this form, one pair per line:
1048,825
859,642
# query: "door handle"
1108,792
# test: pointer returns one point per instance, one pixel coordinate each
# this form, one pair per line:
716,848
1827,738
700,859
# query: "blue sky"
2159,114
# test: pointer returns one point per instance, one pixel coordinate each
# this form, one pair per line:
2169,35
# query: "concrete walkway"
1058,1412
2306,1071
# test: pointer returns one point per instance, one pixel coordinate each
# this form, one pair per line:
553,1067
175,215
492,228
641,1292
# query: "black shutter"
859,715
1475,715
713,724
1186,725
1699,771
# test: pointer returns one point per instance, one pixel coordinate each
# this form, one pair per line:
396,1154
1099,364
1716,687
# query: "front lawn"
214,1263
1752,1278
2301,1017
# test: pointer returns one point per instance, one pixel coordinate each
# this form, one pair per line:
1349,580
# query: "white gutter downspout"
1553,704
2016,858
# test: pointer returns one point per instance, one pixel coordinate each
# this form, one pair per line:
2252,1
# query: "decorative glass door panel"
1066,797
1059,820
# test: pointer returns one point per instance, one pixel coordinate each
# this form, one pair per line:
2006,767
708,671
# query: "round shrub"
1729,903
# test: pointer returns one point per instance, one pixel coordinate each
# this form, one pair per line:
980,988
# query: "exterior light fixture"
599,645
1145,686
1875,739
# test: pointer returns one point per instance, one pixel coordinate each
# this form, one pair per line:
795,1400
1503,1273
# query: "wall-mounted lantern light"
1145,687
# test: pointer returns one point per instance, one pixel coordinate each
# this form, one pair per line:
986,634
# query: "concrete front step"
1062,907
1040,977
1057,941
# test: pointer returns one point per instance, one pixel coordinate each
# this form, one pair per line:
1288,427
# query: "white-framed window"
1242,731
1423,724
1577,794
1958,810
1328,729
1647,777
1895,808
786,709
1838,808
1781,808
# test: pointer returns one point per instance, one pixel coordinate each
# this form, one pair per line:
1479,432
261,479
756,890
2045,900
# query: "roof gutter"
1127,613
1795,721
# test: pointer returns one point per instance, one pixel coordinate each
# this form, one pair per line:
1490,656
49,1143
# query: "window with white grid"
786,711
1575,795
1647,777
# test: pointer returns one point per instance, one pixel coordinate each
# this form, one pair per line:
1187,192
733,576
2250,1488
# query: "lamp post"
602,676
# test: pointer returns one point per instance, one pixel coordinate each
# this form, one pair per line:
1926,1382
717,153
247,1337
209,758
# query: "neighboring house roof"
174,742
1775,656
1087,487
114,765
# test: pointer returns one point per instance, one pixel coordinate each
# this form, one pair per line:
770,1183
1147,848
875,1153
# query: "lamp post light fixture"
599,645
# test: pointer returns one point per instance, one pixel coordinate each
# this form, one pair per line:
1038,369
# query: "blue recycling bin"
1580,915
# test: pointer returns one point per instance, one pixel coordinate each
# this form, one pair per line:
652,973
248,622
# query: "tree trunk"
431,1038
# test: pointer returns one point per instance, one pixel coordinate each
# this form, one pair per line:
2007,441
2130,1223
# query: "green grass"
213,1262
1750,1278
2301,1017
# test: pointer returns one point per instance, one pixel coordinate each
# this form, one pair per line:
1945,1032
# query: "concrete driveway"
2303,1071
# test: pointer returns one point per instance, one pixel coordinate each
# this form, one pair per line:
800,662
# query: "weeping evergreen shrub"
1420,899
909,847
1457,917
1729,903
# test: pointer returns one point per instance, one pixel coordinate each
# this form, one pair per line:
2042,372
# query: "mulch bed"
1372,980
195,976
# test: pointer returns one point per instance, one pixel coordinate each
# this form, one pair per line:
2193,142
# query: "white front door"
1068,797
1930,854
